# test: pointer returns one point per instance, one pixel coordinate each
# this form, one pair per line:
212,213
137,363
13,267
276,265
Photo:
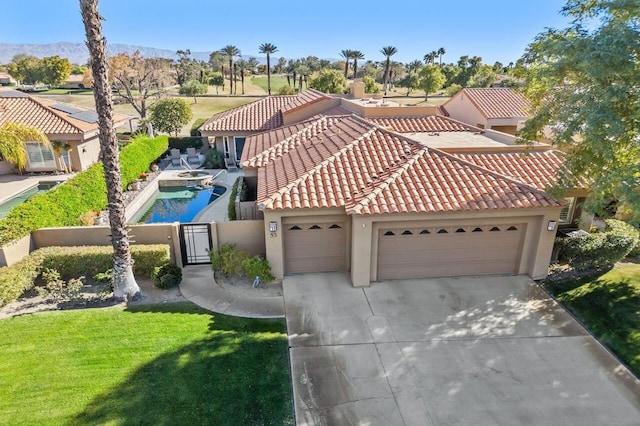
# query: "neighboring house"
74,125
74,81
5,79
500,109
403,197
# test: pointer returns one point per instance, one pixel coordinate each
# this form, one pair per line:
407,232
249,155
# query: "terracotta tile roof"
368,170
305,98
539,169
257,143
39,113
497,102
431,123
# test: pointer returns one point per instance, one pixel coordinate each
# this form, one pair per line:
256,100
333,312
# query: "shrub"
231,208
600,249
167,275
106,279
258,267
72,262
58,290
195,127
67,203
185,142
286,90
228,260
213,160
452,90
169,115
370,85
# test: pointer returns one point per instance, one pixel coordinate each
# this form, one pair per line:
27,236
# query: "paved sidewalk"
199,287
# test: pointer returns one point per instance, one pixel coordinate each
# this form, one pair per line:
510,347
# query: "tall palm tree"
441,52
388,52
429,58
230,51
125,286
13,138
242,66
346,54
356,55
414,65
268,49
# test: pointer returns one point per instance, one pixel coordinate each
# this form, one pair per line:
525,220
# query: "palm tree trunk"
268,74
124,283
230,76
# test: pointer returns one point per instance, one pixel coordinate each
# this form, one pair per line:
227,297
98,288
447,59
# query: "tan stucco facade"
462,109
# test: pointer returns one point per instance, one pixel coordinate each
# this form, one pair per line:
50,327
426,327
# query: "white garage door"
315,247
421,252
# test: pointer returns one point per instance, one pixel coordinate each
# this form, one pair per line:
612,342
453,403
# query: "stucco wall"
309,111
246,235
5,168
82,160
461,108
15,251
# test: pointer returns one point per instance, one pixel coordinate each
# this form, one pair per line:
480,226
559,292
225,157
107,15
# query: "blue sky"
496,30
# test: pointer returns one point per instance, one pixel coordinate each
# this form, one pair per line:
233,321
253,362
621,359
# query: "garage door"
449,251
315,247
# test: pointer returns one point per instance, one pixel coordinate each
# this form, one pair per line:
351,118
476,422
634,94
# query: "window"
424,232
512,228
315,227
239,146
477,230
295,228
335,226
40,156
66,158
225,142
566,214
389,233
443,231
494,229
407,232
460,230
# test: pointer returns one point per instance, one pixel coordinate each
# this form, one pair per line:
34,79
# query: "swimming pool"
41,188
177,204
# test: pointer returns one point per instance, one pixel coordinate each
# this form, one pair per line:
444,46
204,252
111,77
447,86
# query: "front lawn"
609,306
277,81
154,364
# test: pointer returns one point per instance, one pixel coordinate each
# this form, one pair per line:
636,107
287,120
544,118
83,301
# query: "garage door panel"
493,249
315,247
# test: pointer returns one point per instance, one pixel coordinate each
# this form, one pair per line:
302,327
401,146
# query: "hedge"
195,127
65,204
73,262
231,208
185,142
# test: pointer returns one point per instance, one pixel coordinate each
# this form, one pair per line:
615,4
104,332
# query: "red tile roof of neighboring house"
430,123
305,98
496,102
350,163
17,107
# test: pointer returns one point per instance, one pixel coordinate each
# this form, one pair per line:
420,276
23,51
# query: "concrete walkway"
199,287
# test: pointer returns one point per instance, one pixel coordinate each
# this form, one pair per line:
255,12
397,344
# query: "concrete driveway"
455,351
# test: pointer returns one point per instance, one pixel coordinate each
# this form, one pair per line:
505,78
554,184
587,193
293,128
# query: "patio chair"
192,156
175,157
230,164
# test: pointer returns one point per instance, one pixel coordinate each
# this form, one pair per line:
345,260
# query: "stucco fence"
247,235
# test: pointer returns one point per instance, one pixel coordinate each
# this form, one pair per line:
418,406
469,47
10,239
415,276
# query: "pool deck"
217,211
12,185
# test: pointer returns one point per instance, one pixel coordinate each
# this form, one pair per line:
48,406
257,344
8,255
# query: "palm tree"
414,65
388,52
428,58
124,283
356,55
441,52
13,138
230,51
346,54
242,66
268,49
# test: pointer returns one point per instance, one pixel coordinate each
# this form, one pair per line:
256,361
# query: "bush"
231,208
167,275
258,267
214,160
228,260
68,203
58,290
452,90
185,142
73,262
286,90
169,115
195,127
600,249
370,85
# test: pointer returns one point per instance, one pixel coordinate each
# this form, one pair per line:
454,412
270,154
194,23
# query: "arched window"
295,228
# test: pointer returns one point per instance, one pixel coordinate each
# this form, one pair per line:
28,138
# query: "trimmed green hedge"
231,208
73,262
67,203
185,142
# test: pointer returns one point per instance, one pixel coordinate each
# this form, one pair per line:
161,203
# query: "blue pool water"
179,203
41,188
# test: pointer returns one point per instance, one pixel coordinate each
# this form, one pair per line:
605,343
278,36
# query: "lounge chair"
175,157
230,164
192,156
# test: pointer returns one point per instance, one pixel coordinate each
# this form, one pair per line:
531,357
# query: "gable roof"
48,116
422,124
354,164
496,102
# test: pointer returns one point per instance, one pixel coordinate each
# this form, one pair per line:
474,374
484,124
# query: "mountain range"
77,53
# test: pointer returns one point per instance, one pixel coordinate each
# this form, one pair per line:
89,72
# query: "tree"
370,85
268,49
280,66
193,88
13,139
584,83
124,282
414,66
169,115
329,81
483,77
242,67
431,79
216,60
388,52
441,53
411,81
230,52
346,54
187,69
54,70
216,80
139,81
25,69
356,55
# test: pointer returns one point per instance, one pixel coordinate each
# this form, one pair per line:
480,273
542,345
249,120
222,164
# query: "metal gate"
195,243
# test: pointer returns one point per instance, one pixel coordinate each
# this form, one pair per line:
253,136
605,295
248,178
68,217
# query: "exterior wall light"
551,226
273,226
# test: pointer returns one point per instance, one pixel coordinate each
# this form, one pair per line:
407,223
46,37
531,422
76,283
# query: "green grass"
65,92
609,306
157,364
277,82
